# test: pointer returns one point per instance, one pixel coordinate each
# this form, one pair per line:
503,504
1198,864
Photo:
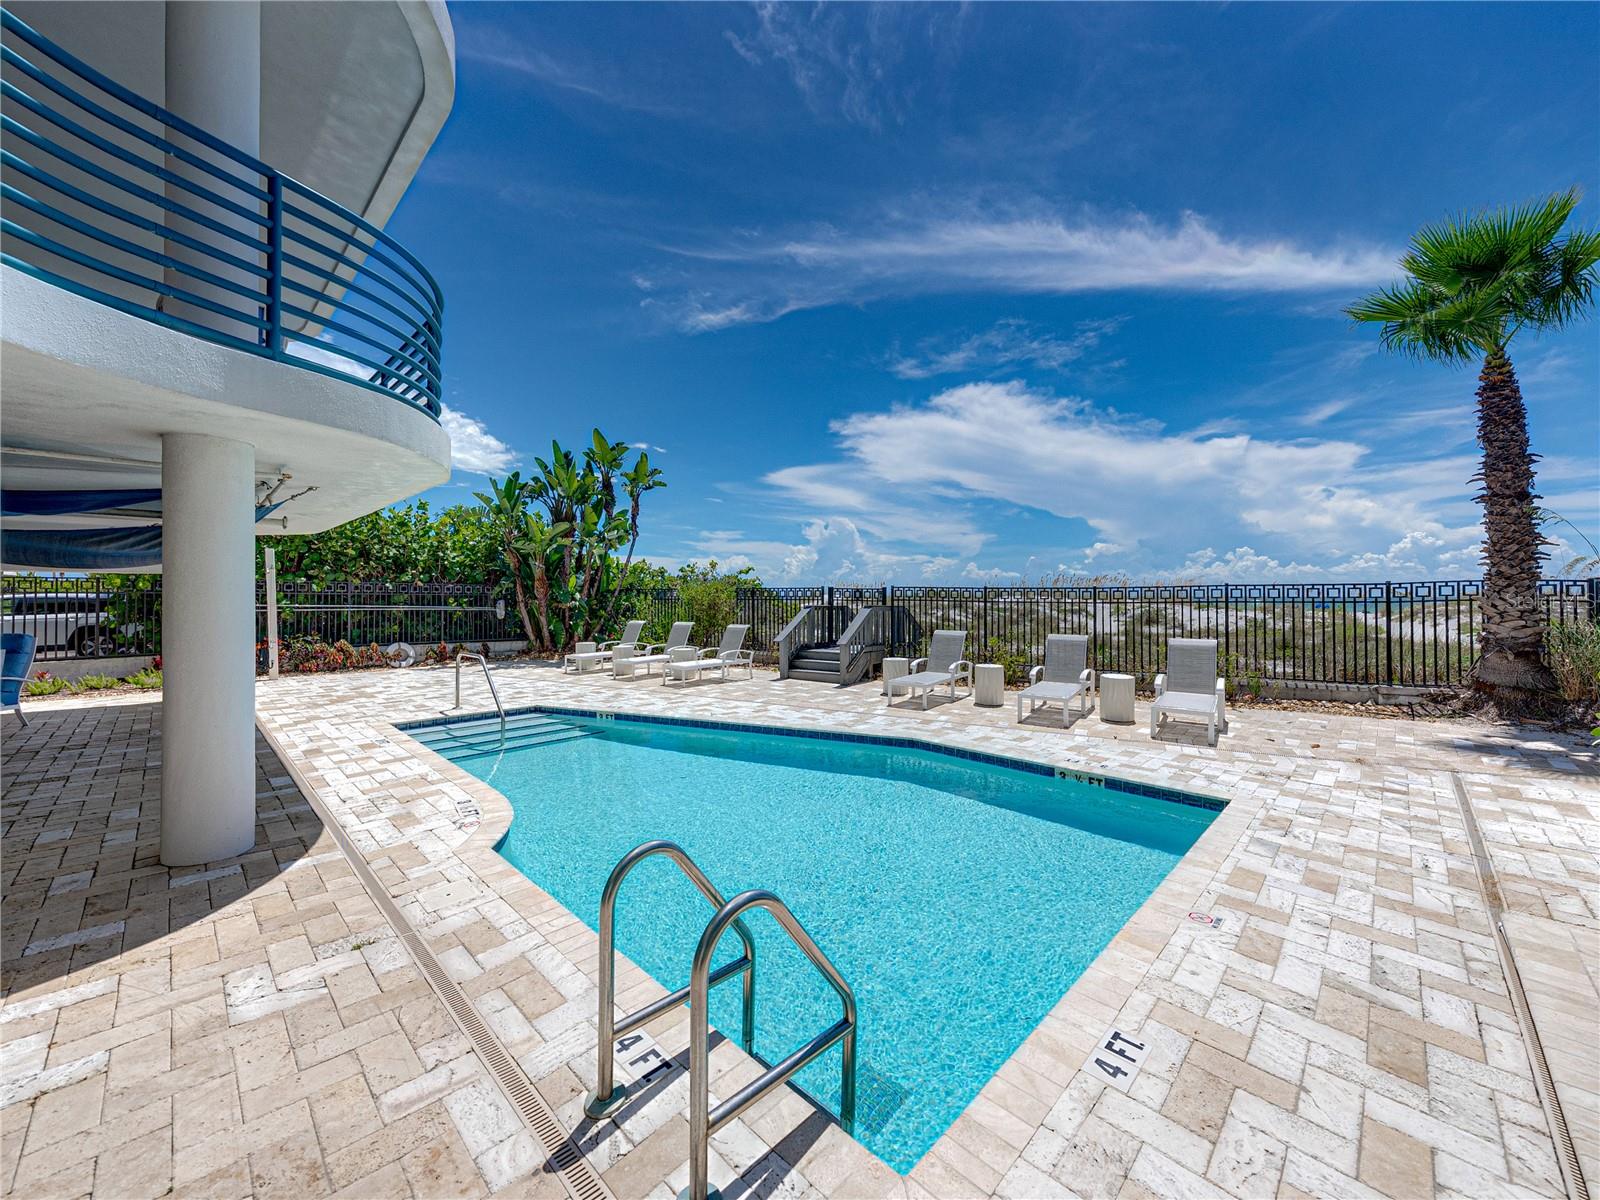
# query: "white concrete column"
214,81
208,787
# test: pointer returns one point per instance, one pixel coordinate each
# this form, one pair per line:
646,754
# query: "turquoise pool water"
960,899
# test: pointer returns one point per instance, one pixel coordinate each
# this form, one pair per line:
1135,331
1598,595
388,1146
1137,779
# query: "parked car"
73,621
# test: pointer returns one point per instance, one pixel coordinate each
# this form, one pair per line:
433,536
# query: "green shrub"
147,680
709,597
1574,648
44,684
95,683
1016,662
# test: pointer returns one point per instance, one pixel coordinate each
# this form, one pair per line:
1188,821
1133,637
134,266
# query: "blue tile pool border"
1110,783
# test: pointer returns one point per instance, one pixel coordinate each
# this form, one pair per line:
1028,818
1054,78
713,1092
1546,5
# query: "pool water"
959,898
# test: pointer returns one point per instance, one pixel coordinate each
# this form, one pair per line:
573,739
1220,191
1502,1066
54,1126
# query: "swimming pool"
959,894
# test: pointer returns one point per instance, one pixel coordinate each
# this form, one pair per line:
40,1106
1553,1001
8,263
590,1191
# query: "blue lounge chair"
17,662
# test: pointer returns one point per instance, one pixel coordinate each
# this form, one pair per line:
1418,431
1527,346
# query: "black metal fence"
81,618
86,618
1408,634
367,613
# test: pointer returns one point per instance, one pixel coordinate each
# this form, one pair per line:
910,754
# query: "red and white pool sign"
1200,918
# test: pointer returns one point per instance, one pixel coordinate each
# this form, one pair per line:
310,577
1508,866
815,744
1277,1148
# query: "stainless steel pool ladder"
462,655
609,1095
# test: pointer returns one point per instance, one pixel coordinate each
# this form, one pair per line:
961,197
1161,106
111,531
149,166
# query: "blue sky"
995,293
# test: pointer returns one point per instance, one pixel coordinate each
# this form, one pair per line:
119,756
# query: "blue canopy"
126,548
15,503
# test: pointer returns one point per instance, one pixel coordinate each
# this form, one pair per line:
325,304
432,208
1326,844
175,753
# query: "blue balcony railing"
114,198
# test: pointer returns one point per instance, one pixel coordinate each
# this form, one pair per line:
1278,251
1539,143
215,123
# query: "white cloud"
845,60
1021,251
606,85
325,355
1319,413
472,447
987,574
1131,481
1007,343
1417,555
900,500
832,550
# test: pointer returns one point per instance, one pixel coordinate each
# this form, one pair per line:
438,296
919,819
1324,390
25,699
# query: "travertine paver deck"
1346,1031
252,1028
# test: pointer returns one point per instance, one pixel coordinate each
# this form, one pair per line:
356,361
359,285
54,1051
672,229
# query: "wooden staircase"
817,663
832,644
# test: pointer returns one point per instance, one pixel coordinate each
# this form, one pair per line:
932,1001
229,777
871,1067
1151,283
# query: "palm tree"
1473,283
505,501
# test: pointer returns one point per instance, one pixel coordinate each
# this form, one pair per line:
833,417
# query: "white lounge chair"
944,665
1190,687
677,643
605,651
731,653
1064,675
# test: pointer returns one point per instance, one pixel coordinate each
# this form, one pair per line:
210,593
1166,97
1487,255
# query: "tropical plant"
1472,284
1587,560
504,502
561,531
44,684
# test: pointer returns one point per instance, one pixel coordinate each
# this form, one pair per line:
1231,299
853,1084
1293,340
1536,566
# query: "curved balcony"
112,197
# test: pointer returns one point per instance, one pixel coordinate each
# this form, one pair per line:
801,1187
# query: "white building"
202,318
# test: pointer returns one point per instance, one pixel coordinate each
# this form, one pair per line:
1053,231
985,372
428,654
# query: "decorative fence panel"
381,613
80,618
1419,634
768,610
659,607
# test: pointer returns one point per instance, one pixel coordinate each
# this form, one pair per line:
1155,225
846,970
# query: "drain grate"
1566,1152
562,1154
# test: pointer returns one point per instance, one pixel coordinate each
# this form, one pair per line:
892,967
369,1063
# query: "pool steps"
609,1096
492,738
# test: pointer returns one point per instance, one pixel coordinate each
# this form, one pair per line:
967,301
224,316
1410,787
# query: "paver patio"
256,1027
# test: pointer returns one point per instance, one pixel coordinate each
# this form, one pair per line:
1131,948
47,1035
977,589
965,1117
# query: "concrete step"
814,676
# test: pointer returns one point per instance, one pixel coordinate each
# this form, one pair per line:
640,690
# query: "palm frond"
1473,280
1420,321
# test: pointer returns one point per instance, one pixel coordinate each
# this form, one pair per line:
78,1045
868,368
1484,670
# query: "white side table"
988,685
585,666
894,668
682,653
1116,698
622,662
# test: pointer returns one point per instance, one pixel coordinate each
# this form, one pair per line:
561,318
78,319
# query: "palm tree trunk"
541,595
521,596
1510,668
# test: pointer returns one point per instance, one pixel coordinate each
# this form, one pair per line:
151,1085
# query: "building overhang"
89,392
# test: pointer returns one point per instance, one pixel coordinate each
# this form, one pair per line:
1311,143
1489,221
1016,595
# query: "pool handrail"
703,1120
483,662
608,1095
